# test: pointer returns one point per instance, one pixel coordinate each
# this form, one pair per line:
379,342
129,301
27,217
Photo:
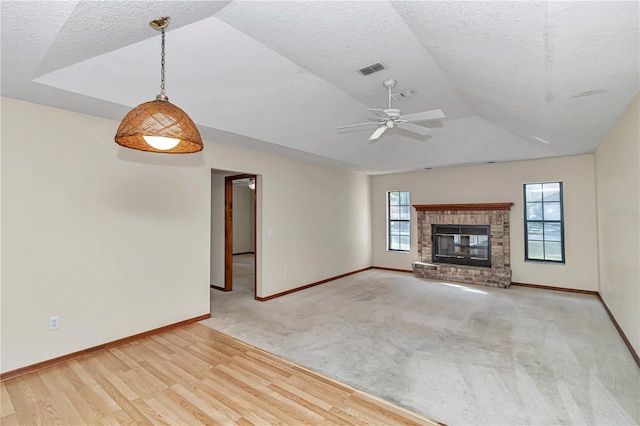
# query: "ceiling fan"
391,117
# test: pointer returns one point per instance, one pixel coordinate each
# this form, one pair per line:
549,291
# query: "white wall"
242,219
617,163
117,242
314,222
502,182
109,239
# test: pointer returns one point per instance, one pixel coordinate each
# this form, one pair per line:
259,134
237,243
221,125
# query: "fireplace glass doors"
462,244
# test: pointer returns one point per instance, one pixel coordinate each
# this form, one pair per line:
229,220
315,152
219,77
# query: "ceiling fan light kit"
391,117
159,125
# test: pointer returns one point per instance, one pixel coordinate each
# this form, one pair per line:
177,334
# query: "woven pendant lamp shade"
159,118
159,126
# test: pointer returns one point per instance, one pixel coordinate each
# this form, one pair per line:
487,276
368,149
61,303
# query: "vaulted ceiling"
516,80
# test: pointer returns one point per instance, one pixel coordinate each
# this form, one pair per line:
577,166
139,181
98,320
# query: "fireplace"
462,244
467,243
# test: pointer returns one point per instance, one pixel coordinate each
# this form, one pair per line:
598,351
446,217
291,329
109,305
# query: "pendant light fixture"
159,126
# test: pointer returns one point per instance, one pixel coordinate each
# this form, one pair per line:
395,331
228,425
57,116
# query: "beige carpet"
455,353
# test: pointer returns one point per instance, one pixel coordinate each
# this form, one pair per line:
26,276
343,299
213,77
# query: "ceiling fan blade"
379,131
379,112
426,115
356,125
421,130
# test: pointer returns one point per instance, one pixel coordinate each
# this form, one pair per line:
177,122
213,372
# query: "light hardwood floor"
189,376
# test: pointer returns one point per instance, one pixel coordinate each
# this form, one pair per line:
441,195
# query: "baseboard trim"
547,287
392,269
304,287
626,341
633,352
64,358
215,287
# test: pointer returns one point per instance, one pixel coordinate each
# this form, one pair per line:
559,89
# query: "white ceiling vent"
371,69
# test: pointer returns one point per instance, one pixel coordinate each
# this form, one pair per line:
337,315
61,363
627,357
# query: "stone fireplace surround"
496,215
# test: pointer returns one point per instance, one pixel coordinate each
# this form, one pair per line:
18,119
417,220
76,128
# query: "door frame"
228,232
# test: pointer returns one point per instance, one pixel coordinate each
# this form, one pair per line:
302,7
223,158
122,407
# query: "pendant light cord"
162,67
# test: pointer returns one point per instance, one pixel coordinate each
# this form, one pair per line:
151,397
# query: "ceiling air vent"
371,69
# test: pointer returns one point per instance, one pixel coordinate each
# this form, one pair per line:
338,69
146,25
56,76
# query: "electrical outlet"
54,323
285,272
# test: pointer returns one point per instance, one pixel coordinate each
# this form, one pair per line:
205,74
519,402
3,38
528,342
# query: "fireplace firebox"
462,244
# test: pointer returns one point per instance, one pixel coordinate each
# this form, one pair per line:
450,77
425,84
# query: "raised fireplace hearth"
466,243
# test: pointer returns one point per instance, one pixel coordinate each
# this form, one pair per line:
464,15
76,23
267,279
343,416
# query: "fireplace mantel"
461,207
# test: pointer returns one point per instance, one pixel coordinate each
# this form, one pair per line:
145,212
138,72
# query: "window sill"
545,262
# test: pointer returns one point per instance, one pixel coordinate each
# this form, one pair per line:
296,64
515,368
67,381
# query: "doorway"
240,244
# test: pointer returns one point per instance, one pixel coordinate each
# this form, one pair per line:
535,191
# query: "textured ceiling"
516,80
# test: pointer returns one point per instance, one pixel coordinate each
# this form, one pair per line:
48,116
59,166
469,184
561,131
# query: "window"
399,215
543,222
